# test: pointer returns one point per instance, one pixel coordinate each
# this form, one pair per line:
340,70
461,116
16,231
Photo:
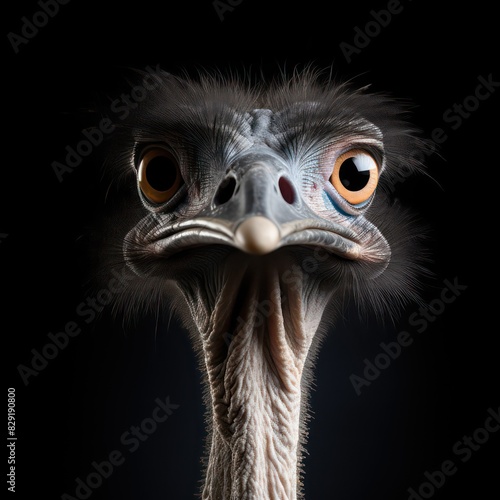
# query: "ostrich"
261,211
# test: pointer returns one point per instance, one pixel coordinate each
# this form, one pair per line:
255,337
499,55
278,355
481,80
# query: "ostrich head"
264,207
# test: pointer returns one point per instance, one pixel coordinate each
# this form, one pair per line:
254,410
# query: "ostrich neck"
255,341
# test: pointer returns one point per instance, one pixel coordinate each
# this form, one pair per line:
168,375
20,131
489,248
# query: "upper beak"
257,235
254,202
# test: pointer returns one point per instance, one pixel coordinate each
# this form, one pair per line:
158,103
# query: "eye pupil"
355,176
161,173
352,178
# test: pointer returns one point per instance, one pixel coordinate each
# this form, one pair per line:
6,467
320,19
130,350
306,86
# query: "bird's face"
234,183
265,184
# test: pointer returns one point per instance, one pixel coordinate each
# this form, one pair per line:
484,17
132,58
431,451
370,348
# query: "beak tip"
257,235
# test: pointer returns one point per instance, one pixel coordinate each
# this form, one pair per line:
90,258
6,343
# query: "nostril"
286,190
225,191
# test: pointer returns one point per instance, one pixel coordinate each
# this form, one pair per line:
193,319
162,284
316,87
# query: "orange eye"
159,175
355,176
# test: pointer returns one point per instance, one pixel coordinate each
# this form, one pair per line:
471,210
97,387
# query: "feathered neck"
255,334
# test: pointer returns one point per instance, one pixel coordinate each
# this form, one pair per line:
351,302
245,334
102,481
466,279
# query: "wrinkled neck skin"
255,336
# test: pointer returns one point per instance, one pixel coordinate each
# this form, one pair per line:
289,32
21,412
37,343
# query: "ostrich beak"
255,199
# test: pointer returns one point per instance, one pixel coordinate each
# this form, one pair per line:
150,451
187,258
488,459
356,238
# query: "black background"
376,445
